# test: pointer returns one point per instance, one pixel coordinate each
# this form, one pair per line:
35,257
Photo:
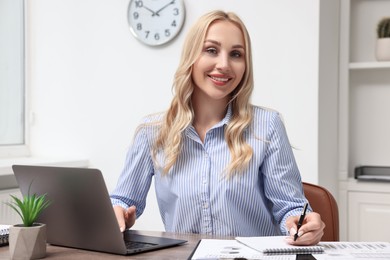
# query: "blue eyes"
233,53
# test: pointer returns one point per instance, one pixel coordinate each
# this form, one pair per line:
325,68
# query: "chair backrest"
323,202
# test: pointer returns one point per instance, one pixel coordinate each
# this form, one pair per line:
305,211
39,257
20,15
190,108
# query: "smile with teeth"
219,79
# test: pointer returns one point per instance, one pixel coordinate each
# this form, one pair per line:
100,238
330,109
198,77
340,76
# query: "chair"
323,202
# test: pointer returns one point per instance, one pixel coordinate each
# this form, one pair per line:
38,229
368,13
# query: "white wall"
90,81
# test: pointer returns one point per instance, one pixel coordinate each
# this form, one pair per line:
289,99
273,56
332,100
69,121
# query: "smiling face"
221,64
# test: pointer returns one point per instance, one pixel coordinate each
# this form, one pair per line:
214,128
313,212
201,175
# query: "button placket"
205,195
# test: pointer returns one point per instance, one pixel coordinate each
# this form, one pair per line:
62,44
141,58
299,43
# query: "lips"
219,80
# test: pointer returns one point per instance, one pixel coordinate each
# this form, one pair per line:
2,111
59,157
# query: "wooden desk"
177,252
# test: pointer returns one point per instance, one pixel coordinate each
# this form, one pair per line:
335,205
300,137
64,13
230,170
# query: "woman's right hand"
125,218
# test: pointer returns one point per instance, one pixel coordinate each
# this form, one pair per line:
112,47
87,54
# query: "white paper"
230,249
217,249
355,250
276,245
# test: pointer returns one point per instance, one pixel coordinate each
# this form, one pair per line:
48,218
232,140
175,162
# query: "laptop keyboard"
137,245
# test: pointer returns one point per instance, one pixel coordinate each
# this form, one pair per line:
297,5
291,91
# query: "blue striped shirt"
195,196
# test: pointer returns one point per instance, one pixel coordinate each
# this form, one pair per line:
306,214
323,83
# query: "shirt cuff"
117,202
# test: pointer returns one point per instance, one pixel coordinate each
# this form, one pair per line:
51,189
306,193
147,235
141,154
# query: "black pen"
300,221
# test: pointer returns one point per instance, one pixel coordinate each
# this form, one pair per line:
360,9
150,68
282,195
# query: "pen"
300,221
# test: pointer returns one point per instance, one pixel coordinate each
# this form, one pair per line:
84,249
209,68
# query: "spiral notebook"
4,235
277,245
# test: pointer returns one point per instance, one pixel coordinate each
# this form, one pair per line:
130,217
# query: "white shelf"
6,164
352,184
369,65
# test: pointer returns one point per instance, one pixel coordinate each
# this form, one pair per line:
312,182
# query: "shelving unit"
364,107
369,65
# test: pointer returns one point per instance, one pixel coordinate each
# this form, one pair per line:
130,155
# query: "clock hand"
150,10
165,6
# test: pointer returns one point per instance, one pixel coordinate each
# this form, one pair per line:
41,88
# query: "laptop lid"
80,214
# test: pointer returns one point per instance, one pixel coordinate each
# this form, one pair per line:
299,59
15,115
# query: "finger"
120,216
130,216
309,238
312,222
296,234
131,210
311,232
292,231
291,224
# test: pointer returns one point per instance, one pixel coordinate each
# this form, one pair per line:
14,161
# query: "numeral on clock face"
156,22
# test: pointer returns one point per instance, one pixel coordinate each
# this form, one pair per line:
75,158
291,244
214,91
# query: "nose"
223,63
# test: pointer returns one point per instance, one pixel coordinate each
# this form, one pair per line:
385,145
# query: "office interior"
89,82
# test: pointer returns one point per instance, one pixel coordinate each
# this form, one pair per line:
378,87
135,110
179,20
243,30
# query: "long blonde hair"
180,113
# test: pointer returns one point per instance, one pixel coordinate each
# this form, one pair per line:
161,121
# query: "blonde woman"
221,165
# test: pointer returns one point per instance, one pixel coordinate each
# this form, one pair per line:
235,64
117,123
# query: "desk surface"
177,252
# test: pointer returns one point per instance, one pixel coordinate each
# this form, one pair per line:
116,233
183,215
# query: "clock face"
156,22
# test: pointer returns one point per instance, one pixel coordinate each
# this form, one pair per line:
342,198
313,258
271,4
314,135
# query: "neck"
207,114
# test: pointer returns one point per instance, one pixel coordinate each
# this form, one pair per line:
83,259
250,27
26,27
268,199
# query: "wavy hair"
181,114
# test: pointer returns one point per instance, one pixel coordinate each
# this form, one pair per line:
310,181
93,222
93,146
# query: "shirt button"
205,205
204,181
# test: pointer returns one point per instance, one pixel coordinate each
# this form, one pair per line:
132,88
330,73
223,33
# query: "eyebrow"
219,44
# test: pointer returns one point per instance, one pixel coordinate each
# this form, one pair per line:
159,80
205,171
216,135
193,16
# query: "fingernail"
293,231
122,229
300,233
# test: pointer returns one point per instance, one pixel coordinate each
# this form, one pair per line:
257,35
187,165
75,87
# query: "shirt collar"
190,131
227,117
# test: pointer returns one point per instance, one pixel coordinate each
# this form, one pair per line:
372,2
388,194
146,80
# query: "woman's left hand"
311,231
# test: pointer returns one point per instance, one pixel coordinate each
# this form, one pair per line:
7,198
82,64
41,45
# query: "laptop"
81,214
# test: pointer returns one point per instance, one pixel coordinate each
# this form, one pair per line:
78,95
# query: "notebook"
81,214
223,249
4,235
277,245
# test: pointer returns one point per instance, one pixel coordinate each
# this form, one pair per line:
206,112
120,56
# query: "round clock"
156,22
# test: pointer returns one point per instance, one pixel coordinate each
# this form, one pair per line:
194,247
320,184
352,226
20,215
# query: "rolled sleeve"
282,180
136,177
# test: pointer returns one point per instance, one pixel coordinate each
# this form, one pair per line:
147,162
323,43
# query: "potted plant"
28,240
383,41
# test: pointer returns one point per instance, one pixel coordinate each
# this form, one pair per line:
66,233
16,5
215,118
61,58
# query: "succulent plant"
30,207
383,28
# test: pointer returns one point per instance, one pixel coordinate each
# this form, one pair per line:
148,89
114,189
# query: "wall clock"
156,22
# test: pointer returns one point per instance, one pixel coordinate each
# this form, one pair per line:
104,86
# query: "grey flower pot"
27,242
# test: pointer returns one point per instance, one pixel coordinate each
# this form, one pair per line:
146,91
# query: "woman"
221,165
